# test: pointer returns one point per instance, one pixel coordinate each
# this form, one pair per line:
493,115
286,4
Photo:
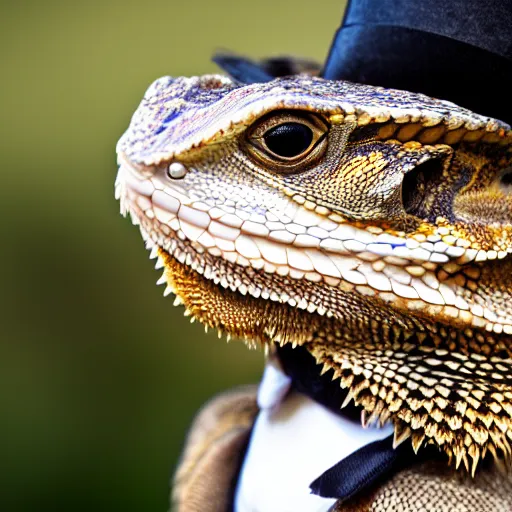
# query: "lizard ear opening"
417,184
506,180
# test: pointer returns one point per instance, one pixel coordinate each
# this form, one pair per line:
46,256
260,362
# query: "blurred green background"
99,375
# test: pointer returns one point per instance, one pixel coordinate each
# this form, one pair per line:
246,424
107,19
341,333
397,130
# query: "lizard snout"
138,170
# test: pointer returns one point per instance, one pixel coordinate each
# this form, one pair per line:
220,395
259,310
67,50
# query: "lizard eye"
287,141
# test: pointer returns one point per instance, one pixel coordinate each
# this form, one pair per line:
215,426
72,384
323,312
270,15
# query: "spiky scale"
402,433
417,441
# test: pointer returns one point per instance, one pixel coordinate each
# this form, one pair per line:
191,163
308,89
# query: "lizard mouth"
426,273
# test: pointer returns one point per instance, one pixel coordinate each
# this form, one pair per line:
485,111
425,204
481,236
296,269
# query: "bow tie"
360,470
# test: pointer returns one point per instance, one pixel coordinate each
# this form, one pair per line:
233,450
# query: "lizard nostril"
176,171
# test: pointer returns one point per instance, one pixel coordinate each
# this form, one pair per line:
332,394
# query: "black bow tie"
360,470
363,468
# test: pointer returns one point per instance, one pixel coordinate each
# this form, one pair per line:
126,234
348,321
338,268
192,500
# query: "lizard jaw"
420,274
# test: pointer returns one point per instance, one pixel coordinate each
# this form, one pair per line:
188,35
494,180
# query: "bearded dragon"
371,227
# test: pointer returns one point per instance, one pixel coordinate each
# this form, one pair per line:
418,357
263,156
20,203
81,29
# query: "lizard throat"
435,384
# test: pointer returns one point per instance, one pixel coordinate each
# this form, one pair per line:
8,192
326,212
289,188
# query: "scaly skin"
385,249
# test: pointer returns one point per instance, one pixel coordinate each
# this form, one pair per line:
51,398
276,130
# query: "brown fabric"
215,446
208,469
434,487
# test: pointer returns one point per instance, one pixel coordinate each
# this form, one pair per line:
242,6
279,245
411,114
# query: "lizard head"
371,226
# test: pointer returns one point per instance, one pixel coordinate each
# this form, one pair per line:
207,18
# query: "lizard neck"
431,380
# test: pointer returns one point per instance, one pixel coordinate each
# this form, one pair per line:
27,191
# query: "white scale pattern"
307,245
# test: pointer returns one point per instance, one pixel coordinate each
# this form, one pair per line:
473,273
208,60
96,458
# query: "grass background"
99,374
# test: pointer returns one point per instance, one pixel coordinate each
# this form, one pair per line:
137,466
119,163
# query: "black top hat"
458,50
